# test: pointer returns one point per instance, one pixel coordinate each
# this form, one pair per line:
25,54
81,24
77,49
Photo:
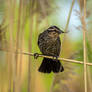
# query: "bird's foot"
36,55
55,57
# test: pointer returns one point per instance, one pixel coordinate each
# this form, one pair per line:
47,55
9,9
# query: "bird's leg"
36,55
55,57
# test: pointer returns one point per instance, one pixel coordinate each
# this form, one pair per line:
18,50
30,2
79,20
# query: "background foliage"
21,21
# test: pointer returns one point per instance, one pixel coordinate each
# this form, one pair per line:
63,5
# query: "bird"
49,44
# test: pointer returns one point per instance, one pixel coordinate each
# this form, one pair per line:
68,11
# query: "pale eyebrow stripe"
51,29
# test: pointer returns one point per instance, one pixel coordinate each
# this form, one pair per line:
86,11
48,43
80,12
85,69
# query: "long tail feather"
49,65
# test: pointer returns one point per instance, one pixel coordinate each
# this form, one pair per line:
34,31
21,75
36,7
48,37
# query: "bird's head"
54,31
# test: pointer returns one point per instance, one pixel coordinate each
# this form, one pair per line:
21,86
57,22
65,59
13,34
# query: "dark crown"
55,28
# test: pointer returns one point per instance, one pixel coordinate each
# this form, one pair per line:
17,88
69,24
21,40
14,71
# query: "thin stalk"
30,60
17,43
66,27
69,15
30,49
84,47
10,55
61,59
18,32
21,41
22,44
85,67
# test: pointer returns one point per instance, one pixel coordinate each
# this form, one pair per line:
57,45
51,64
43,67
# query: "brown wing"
47,46
41,41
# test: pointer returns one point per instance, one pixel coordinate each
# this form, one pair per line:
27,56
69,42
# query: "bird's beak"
60,32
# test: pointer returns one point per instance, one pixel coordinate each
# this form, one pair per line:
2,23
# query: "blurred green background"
21,21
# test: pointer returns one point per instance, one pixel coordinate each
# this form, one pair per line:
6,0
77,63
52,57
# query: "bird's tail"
49,65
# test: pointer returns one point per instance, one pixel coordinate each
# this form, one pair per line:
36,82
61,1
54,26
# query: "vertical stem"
30,59
18,33
23,22
84,47
15,84
85,67
30,48
68,19
69,15
11,28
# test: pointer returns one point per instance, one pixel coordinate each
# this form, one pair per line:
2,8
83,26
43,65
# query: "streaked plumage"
49,44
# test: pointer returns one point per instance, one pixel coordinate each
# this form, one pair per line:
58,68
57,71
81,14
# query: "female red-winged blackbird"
49,44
